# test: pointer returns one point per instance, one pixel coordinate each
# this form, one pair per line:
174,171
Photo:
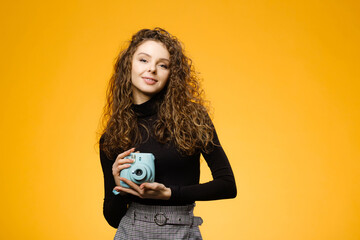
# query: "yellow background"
283,79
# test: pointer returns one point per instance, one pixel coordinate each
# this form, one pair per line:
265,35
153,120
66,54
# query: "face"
150,70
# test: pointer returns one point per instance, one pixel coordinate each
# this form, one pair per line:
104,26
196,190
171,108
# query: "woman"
154,105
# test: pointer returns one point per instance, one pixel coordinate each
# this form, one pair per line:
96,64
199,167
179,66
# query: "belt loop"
191,220
133,217
198,221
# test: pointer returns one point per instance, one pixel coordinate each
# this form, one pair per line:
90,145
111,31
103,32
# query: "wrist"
116,181
167,193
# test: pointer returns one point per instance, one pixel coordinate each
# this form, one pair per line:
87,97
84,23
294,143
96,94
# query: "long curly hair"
183,113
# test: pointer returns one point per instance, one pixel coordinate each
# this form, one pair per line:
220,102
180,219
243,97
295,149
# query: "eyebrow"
150,56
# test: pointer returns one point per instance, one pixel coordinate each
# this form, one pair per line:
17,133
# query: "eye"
143,60
164,66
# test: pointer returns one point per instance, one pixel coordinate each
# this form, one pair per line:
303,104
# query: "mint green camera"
141,170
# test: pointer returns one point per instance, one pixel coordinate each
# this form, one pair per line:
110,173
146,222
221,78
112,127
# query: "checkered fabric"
159,222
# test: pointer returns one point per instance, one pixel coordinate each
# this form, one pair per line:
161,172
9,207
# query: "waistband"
162,215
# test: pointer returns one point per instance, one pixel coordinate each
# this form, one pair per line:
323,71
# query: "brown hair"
182,116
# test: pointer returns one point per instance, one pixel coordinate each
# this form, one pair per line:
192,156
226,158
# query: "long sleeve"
115,206
221,187
173,168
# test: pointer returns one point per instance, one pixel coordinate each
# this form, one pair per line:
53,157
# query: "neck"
147,108
139,99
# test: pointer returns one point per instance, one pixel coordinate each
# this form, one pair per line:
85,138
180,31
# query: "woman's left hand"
152,190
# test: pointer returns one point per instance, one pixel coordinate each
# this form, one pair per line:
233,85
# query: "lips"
149,81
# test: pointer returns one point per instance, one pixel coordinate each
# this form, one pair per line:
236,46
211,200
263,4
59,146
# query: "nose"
152,68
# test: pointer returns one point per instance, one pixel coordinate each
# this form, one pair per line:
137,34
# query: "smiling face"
150,70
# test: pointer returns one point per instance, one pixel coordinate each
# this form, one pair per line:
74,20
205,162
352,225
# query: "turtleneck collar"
147,108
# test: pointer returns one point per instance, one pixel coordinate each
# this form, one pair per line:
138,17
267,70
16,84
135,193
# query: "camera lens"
138,172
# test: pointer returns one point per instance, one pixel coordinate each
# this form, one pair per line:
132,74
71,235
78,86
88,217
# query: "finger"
119,192
117,169
127,190
126,153
152,186
121,167
131,184
123,161
146,186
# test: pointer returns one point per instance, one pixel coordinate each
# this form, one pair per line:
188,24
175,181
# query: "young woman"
154,105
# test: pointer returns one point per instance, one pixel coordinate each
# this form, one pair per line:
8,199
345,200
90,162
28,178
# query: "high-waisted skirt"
159,222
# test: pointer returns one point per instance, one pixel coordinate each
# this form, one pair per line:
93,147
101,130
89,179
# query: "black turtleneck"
177,171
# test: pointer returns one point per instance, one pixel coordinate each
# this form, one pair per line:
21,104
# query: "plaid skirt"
159,222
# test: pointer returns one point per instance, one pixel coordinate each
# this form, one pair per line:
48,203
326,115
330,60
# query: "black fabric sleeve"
115,206
221,187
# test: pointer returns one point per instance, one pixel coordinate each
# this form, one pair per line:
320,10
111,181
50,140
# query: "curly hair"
182,116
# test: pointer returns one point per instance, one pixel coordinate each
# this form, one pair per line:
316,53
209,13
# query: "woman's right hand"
120,164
